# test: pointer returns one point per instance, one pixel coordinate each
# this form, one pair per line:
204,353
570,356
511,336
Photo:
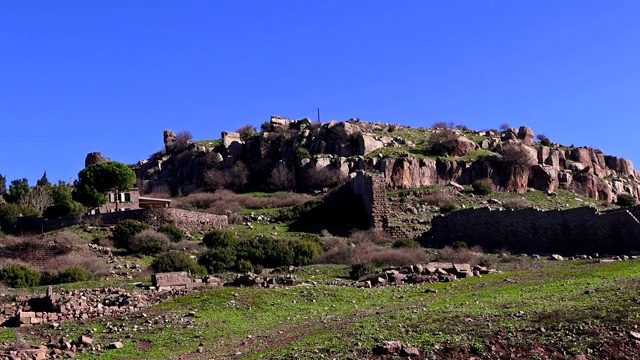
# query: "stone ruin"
422,274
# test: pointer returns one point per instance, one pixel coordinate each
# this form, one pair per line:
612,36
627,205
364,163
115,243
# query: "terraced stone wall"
568,232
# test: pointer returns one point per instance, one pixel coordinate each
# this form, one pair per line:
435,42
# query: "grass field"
560,310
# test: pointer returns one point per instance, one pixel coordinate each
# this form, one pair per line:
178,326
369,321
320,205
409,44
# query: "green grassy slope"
561,310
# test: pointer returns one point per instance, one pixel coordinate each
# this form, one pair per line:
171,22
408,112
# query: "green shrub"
244,266
219,238
125,230
626,200
218,260
302,154
304,251
72,274
19,276
482,187
9,212
251,249
148,242
257,269
361,269
405,243
48,278
177,261
277,252
448,207
174,233
460,245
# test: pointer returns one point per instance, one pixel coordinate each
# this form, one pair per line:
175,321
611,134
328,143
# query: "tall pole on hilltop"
318,115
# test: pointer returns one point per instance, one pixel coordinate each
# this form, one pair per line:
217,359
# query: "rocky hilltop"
302,155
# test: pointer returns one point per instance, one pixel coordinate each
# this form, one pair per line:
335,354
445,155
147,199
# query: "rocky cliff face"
511,159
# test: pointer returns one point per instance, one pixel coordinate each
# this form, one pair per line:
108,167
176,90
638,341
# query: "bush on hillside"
246,131
405,243
174,233
626,200
218,260
361,269
72,274
301,154
482,187
125,230
219,238
19,276
177,261
244,266
304,251
148,242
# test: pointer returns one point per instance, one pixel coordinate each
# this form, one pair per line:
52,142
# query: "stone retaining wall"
569,232
184,218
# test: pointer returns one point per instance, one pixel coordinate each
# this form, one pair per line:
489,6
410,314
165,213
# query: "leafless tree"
282,178
39,197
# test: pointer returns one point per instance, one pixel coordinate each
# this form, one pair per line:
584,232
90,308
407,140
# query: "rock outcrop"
511,159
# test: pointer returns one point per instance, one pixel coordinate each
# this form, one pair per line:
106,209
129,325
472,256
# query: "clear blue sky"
110,76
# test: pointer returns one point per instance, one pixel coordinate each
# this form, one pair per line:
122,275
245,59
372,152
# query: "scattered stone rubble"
250,279
395,348
62,348
422,273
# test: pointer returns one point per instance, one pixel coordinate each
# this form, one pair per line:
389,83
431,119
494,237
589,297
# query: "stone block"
172,279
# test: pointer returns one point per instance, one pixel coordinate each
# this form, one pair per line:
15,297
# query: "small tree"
246,132
18,189
96,180
544,140
44,181
182,141
282,178
505,127
39,197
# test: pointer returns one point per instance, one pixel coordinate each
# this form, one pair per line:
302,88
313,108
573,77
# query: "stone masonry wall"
179,217
373,192
569,232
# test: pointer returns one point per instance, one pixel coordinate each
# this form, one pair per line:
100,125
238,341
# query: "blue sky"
110,76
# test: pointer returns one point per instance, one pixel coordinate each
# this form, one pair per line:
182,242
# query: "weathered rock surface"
341,146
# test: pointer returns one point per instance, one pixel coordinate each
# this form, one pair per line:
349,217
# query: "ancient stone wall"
574,231
372,190
183,218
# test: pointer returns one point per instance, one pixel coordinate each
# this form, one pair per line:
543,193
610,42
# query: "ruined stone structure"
569,232
154,216
95,158
373,192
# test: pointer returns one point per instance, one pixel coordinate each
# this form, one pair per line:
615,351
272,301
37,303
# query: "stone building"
131,200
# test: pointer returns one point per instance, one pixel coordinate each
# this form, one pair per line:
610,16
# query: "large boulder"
526,135
544,178
619,165
233,143
368,144
169,138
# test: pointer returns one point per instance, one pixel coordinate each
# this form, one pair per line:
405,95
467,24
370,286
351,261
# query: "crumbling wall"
574,231
184,218
372,190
